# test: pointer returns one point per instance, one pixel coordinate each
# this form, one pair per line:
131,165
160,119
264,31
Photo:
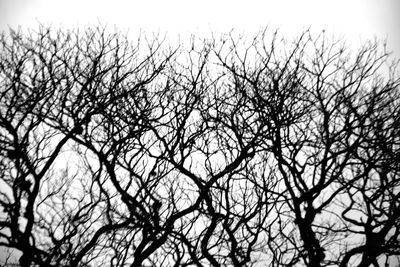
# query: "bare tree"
223,153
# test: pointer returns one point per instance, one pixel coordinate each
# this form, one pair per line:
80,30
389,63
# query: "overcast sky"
354,20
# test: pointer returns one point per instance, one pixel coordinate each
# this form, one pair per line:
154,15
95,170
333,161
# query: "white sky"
355,20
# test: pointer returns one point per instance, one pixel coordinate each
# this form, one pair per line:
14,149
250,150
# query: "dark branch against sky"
232,151
354,20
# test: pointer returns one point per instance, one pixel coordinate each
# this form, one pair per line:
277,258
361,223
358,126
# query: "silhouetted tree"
230,153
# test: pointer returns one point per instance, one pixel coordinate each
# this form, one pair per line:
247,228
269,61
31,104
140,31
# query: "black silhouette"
220,153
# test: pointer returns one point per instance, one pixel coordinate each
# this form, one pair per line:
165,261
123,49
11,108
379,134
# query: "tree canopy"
228,151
